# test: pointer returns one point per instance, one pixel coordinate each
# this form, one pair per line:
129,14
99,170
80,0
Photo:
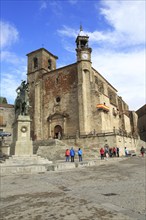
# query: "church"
76,102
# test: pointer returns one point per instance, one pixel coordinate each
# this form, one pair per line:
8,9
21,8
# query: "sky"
117,36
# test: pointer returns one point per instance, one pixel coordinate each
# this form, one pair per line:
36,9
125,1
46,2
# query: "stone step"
24,164
60,165
26,160
22,169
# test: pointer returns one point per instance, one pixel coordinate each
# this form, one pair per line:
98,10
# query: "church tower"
85,79
82,49
40,62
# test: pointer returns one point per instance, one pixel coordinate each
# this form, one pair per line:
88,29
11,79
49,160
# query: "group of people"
109,152
104,152
114,152
71,154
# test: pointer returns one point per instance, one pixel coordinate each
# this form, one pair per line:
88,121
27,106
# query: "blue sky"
117,35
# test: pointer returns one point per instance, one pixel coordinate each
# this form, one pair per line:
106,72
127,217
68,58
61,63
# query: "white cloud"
73,2
9,34
68,32
126,72
119,51
43,5
10,80
127,18
13,67
11,58
56,7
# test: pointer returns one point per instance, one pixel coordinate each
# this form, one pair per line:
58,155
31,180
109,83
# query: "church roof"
40,50
82,33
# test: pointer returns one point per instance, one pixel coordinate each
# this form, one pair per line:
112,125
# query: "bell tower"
40,62
82,49
85,78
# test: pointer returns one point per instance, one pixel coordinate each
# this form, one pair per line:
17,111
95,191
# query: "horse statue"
22,100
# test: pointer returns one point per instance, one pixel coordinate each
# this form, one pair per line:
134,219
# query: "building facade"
74,101
7,116
142,122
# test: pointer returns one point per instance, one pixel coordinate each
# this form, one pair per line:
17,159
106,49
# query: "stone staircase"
24,165
54,149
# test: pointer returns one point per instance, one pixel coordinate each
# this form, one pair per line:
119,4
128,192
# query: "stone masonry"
75,101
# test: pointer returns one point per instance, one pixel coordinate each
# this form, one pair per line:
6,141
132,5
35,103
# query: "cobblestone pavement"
114,191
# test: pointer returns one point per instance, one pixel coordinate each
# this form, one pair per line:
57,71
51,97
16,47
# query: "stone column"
64,125
50,122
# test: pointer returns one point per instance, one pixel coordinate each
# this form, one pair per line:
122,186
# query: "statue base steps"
24,165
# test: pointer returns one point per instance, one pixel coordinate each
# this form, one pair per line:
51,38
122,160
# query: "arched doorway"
57,132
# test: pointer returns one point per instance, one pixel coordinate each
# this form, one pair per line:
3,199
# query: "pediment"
58,115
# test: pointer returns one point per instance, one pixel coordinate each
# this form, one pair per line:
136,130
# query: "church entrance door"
58,132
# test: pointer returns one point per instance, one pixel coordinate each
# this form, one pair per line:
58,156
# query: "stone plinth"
24,165
5,149
22,144
22,160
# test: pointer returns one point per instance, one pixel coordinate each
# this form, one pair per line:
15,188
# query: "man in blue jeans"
80,154
72,154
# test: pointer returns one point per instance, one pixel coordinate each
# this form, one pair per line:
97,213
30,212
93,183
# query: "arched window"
35,62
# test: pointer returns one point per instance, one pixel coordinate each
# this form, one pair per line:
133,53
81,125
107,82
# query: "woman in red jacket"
67,154
102,153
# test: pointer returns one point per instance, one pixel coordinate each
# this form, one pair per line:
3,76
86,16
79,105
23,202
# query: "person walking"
117,151
110,152
102,153
142,151
126,152
72,154
67,154
80,154
114,151
106,152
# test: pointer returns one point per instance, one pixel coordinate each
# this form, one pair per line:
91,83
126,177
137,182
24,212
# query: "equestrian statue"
22,100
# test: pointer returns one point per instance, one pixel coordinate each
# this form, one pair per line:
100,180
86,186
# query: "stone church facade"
142,122
75,101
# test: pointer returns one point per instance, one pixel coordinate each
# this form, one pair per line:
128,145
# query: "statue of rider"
22,100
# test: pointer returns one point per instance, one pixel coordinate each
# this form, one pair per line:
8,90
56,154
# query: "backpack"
67,153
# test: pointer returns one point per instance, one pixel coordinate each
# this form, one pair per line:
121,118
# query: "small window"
49,64
35,62
57,79
58,99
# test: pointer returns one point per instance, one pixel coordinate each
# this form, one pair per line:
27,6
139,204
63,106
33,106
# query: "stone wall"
6,120
55,149
60,97
142,122
65,100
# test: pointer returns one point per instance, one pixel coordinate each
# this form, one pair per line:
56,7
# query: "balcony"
102,107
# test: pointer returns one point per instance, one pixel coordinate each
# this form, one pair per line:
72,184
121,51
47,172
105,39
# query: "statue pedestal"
22,144
22,160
